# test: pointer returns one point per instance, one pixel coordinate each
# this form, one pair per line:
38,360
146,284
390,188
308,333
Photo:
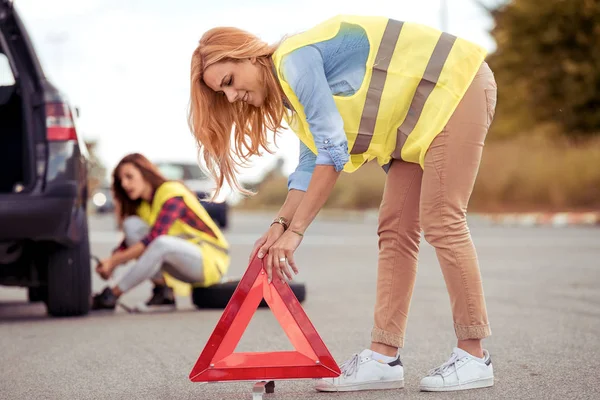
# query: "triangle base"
218,362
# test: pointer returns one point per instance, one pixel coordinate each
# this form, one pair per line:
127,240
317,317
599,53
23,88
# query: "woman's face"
132,181
239,81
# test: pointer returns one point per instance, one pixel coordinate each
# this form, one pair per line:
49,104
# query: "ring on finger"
282,259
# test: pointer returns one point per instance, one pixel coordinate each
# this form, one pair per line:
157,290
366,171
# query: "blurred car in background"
102,200
44,242
203,186
191,176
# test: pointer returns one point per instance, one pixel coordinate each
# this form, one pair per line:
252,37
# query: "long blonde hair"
211,117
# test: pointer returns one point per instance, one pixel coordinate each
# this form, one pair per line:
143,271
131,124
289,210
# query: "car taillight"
59,122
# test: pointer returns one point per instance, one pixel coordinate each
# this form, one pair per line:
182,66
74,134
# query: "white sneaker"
462,371
362,372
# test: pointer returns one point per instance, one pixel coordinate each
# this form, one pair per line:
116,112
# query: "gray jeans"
179,258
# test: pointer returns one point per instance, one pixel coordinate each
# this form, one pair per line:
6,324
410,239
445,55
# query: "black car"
44,242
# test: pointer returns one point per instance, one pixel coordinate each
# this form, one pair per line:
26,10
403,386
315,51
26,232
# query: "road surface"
542,287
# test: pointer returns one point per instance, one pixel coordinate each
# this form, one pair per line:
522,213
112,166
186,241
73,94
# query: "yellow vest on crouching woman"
215,251
415,77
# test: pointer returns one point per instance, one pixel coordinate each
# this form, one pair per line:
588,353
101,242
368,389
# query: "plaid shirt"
172,210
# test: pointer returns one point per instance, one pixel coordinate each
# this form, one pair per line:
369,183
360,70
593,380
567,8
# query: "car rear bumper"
35,217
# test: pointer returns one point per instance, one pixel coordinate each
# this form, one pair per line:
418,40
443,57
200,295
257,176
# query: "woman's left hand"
281,255
105,268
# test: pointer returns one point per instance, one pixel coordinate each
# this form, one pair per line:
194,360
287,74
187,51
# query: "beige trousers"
434,199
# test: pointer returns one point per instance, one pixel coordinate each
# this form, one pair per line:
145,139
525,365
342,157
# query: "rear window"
6,75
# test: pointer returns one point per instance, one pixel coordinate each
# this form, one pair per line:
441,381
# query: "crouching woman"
166,230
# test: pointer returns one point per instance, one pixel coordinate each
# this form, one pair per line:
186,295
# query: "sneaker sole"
376,385
483,383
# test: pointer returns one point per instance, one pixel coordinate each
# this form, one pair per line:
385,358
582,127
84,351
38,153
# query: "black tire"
217,296
69,278
223,219
218,212
37,294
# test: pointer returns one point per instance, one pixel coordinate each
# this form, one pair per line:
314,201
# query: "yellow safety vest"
415,77
215,251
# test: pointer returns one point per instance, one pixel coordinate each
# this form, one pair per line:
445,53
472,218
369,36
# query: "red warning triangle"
218,362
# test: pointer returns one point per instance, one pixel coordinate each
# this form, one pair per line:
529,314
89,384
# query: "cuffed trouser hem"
472,332
388,338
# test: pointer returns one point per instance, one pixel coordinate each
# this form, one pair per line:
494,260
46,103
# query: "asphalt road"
542,288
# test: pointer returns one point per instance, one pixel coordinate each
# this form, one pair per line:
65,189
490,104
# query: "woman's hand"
262,245
105,268
281,255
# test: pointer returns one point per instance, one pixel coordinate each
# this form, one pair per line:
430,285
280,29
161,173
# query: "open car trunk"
17,140
15,159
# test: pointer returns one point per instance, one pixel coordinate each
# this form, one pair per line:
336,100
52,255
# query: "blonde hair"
211,117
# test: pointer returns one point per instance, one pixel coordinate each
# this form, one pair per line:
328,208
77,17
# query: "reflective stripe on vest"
371,109
424,89
375,90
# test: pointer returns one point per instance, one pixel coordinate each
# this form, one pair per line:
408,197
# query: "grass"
540,174
529,173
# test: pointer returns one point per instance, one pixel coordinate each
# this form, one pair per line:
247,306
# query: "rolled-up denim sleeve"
300,178
303,70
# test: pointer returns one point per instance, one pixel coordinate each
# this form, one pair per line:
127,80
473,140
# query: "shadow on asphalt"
13,311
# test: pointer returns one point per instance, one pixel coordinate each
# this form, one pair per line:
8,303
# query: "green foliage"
547,65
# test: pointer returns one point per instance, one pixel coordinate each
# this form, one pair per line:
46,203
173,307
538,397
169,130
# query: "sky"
125,63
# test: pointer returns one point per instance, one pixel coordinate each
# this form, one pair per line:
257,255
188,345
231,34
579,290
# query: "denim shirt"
316,73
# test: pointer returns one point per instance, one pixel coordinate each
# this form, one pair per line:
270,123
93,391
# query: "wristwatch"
283,221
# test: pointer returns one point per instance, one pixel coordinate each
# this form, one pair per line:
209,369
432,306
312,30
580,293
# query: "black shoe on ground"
161,296
105,300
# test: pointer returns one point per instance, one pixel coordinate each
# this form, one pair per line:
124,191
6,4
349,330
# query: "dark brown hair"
126,207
